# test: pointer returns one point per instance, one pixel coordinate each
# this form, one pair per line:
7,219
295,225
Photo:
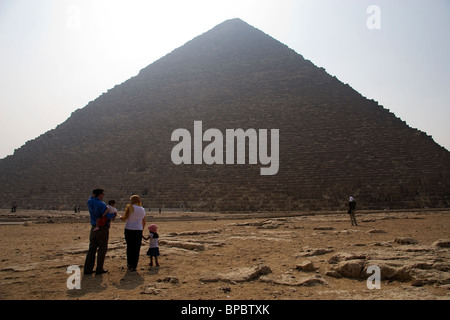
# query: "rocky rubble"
410,261
297,257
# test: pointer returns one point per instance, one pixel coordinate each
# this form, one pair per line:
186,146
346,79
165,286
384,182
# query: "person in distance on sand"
351,210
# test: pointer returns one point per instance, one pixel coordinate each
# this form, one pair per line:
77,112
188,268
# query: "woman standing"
135,223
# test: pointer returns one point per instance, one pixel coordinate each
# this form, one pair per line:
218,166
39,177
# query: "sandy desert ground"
226,256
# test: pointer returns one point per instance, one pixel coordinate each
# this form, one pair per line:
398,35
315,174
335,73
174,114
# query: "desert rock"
289,280
308,251
442,243
306,266
239,275
406,240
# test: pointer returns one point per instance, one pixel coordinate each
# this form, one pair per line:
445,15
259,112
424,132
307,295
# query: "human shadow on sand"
89,284
129,281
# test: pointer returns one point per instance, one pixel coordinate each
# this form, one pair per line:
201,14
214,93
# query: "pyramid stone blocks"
333,142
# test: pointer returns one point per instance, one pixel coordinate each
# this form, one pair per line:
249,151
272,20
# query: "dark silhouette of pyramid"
333,142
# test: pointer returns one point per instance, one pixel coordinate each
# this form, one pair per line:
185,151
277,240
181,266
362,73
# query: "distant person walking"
351,210
13,207
98,240
135,223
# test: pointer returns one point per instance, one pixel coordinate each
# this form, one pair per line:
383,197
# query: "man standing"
13,207
97,239
351,210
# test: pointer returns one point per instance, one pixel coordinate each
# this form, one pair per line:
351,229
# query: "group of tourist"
101,216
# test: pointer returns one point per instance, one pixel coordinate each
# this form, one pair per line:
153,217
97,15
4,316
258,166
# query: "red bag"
102,221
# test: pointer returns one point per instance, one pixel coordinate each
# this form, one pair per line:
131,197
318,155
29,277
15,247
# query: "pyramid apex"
234,22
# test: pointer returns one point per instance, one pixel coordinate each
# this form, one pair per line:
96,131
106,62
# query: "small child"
112,208
102,220
153,250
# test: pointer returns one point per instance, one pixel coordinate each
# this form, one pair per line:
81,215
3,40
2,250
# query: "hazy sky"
57,55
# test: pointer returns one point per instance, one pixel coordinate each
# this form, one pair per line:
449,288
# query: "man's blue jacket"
96,209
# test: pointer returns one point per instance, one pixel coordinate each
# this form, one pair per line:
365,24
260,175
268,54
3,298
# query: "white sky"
57,55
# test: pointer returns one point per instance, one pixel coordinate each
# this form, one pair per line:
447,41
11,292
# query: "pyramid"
332,142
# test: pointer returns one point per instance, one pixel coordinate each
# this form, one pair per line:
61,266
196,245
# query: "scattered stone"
183,244
194,233
350,268
172,280
225,289
343,256
442,266
149,289
390,269
290,280
323,228
306,266
359,244
406,240
333,273
376,231
239,275
381,244
247,224
270,224
419,264
441,243
444,286
308,251
368,220
173,251
419,283
347,232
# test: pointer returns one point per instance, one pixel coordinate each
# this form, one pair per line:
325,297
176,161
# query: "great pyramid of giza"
332,142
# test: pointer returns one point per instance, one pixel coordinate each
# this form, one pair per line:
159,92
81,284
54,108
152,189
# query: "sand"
226,256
